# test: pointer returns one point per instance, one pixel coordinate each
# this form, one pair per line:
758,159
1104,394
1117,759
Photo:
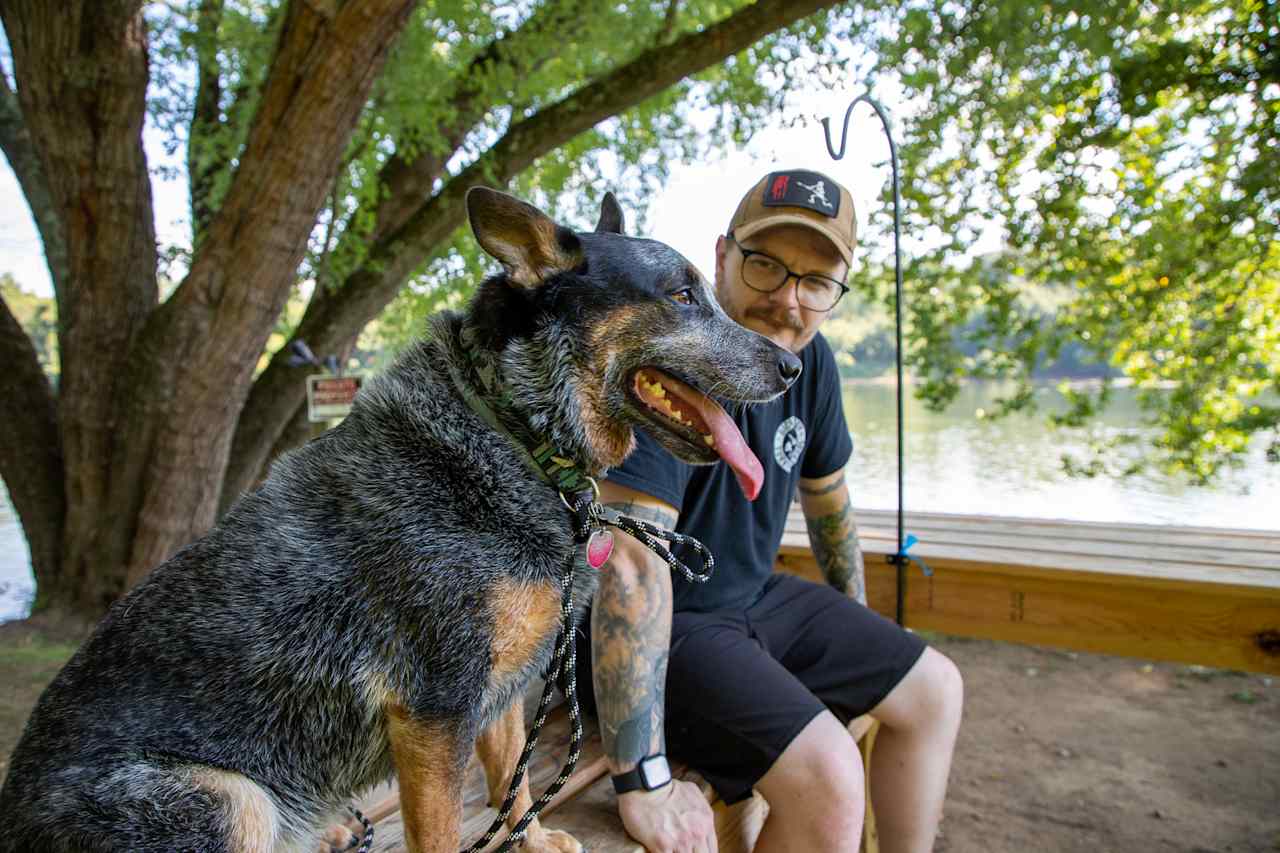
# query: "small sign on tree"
329,396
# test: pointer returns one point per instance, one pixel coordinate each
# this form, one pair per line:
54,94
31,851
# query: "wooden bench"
587,807
1196,595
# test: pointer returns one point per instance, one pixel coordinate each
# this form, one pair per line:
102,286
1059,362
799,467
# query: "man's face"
778,316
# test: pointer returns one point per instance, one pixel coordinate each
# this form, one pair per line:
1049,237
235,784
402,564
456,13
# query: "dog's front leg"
430,762
499,748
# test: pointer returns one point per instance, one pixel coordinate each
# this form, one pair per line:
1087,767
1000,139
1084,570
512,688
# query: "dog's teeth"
710,440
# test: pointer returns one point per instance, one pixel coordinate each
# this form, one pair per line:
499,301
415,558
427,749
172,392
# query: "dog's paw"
550,841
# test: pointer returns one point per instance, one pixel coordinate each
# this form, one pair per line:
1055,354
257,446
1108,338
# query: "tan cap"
798,197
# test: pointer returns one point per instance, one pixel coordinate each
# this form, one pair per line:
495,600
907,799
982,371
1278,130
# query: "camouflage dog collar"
547,461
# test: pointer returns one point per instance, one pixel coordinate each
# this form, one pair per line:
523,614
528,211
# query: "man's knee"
818,782
930,695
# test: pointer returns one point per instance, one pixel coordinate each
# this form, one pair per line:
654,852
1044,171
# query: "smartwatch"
650,774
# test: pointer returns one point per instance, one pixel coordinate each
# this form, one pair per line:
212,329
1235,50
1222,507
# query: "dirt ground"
1059,752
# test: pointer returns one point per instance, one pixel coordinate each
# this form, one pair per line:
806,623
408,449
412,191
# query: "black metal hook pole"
899,559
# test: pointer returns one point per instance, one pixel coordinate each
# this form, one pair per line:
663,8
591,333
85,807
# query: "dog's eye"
684,297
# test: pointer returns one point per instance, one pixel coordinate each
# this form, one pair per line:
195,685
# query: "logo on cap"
803,189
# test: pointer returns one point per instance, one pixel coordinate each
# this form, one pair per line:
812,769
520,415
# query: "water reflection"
957,462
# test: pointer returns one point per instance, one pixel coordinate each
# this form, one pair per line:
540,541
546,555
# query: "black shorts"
742,684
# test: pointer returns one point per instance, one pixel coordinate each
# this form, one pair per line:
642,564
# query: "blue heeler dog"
380,604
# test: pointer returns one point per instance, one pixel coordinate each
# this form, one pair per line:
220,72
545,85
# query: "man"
755,676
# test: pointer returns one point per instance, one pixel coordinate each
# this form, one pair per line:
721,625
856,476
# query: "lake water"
955,462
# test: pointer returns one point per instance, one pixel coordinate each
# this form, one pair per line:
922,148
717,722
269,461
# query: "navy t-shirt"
801,434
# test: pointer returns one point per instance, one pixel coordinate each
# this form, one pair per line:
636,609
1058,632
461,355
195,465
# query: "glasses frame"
746,255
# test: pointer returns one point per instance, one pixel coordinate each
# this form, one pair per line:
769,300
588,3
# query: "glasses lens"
762,272
818,293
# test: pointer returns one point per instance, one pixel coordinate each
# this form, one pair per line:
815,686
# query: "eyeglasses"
766,274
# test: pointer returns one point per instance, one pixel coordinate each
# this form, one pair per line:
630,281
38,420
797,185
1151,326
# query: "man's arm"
833,534
630,641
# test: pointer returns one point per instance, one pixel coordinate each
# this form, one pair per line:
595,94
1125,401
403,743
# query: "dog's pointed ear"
528,244
611,218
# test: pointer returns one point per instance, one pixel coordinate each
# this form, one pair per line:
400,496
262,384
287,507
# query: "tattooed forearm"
821,490
644,512
834,539
631,634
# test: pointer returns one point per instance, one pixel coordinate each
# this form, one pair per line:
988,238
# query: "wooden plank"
1158,543
879,524
1223,625
1207,536
1050,558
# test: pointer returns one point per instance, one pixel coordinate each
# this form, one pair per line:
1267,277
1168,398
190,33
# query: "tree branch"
337,316
16,143
30,452
203,164
668,22
524,49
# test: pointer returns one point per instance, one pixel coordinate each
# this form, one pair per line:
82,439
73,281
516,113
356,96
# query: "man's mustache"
780,319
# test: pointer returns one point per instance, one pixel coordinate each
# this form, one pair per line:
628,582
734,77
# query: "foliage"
439,96
38,316
1129,150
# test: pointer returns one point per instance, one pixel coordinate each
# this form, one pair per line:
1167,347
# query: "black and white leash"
589,517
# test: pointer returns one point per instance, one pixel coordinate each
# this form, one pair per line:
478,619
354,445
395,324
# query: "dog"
380,604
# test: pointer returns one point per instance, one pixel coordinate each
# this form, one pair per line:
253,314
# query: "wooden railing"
1193,594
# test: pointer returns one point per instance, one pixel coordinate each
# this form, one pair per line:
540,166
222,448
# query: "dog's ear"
528,244
611,219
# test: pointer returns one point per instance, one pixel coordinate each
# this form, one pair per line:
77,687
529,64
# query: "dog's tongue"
730,444
733,448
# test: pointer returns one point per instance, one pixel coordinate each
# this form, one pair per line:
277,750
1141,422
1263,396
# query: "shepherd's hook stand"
901,557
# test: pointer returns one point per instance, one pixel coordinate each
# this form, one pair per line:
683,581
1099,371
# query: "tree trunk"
81,73
150,395
30,452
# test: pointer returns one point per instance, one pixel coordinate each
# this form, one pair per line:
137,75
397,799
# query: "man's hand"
672,819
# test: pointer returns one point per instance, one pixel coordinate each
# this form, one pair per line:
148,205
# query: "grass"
27,664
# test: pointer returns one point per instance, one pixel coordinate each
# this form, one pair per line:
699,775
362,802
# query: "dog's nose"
789,367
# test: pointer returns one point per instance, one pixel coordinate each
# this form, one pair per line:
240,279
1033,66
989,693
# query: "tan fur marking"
252,814
499,748
429,765
529,247
610,440
524,615
374,689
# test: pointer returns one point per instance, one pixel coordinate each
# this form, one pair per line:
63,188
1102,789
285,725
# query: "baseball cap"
798,197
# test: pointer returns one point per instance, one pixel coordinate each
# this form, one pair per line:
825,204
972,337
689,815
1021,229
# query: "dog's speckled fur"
383,597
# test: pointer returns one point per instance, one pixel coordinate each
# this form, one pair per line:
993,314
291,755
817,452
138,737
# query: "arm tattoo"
822,490
644,512
631,634
834,539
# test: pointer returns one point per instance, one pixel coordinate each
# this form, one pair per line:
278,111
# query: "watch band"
638,779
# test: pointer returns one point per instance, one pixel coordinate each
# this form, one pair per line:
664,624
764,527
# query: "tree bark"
15,141
204,163
340,314
30,452
81,74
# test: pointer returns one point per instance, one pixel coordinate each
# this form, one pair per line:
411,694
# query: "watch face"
655,771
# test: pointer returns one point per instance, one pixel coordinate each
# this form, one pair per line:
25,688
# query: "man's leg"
919,720
858,662
815,792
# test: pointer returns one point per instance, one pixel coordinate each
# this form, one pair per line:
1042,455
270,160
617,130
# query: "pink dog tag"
599,547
